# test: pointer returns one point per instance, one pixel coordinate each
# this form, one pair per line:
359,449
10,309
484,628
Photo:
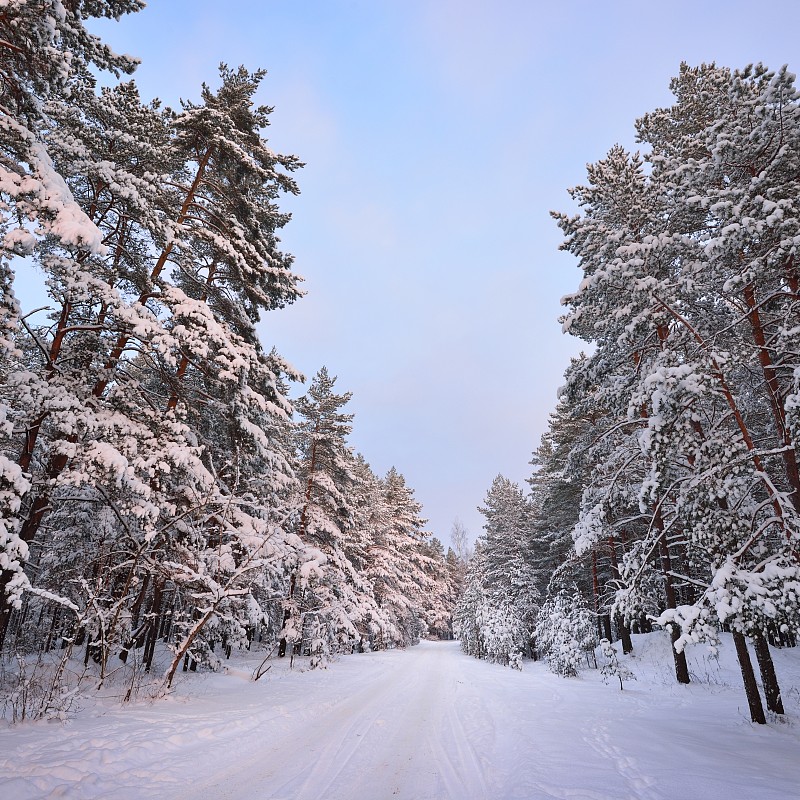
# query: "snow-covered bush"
611,665
501,633
565,633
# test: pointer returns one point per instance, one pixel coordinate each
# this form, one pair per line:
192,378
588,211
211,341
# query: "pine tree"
153,390
688,292
326,594
496,614
413,585
47,58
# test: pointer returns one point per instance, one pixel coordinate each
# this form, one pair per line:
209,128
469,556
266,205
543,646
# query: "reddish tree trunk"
749,679
155,623
596,595
184,362
774,395
624,630
681,668
287,615
769,680
124,338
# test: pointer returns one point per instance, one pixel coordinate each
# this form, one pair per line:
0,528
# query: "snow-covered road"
427,722
411,729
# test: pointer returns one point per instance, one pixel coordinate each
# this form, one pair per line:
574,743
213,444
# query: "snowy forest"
157,485
666,491
173,492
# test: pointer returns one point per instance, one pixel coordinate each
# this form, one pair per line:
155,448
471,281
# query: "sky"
437,136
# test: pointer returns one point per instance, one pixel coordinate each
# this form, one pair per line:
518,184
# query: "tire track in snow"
464,775
400,736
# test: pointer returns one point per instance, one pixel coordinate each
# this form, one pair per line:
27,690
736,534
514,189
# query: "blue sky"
437,137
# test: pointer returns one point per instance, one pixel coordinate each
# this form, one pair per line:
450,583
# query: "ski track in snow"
424,724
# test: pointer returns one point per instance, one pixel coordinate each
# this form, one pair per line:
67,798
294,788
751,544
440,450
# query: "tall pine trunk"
774,395
749,679
769,680
287,615
681,668
624,630
596,596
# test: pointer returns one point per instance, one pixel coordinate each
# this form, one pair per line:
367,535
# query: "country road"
414,730
427,722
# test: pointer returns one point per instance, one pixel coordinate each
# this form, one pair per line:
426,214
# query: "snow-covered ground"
427,722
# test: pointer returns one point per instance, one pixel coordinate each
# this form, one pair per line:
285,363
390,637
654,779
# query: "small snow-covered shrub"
44,686
611,666
565,633
501,636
